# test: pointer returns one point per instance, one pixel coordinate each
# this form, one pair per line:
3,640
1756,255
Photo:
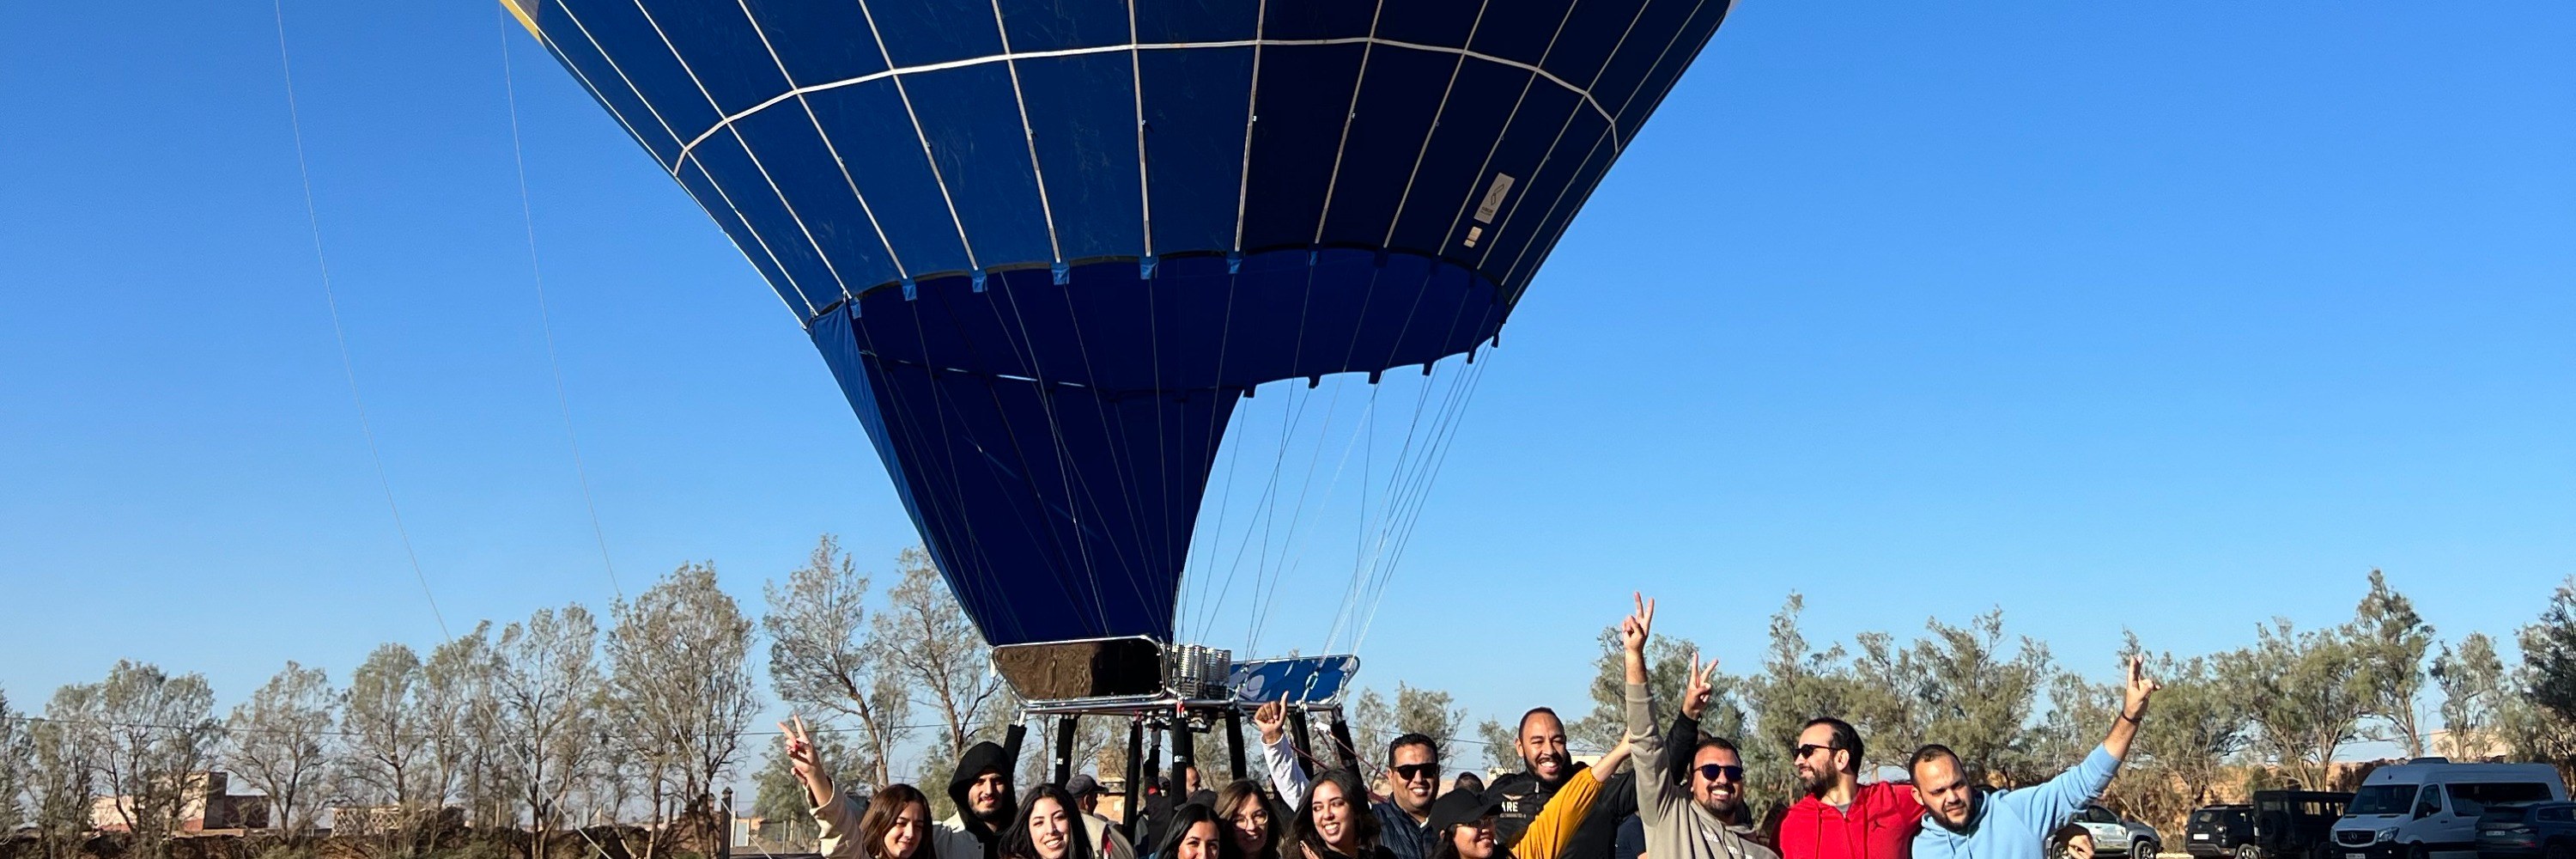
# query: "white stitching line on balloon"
1165,46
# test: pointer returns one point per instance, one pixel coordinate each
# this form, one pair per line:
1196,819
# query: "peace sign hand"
1634,630
2139,688
1698,688
807,762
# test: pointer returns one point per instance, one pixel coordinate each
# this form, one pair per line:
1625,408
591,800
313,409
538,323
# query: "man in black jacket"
1541,743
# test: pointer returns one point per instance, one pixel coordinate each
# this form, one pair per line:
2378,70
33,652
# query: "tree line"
2276,712
516,731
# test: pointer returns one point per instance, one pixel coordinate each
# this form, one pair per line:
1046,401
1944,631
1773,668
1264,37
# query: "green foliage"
1977,698
679,690
823,656
1500,753
2472,679
778,795
2389,642
1668,662
2549,655
278,740
15,750
2306,693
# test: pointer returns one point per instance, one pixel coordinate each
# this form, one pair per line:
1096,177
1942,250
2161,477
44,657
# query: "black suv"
2539,830
2221,830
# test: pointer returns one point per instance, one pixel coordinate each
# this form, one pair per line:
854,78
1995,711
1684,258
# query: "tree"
1427,712
1883,700
1976,699
279,741
460,712
1500,752
143,732
15,749
2305,695
2540,723
1797,683
387,745
1667,661
2472,682
937,650
2197,727
680,668
59,777
2549,654
545,677
2389,642
779,796
821,656
1371,721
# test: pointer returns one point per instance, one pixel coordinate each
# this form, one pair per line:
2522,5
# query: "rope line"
339,334
545,316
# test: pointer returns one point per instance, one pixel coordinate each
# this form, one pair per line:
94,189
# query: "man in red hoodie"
1840,818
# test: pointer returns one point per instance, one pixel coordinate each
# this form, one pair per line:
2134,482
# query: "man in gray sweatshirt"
1680,824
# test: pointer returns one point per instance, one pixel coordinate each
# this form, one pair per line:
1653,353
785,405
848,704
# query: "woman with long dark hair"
1195,833
1049,826
1335,822
1250,821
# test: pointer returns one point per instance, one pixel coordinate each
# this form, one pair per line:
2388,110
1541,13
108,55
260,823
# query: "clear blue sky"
2167,316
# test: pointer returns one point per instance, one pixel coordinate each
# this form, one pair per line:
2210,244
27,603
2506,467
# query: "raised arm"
1681,740
807,762
2056,801
1608,768
1655,794
1278,755
834,814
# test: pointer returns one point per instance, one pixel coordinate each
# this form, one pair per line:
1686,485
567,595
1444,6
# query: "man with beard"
1682,825
1838,817
1541,743
2015,824
981,788
1682,743
985,811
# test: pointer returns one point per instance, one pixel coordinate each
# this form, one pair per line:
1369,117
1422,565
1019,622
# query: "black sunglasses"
1713,771
1409,772
1810,748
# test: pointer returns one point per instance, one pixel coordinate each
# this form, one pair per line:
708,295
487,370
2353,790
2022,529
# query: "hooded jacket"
1880,824
1676,827
2015,824
963,835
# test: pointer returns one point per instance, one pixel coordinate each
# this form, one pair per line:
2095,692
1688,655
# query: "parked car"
2539,830
2221,830
2297,824
2411,810
2117,836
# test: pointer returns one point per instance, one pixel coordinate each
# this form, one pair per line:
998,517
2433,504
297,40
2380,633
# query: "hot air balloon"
1047,247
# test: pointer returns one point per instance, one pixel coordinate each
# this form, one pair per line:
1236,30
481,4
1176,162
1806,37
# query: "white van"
2415,809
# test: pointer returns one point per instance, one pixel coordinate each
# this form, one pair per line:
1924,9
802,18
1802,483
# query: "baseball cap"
1460,807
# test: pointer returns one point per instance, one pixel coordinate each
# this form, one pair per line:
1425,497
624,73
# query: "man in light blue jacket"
1962,822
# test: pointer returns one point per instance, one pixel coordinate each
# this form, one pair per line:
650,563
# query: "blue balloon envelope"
1047,245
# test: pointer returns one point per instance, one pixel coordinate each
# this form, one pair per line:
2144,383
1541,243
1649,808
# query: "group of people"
1673,794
